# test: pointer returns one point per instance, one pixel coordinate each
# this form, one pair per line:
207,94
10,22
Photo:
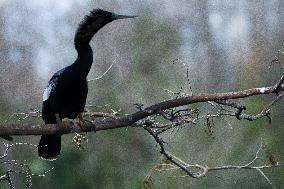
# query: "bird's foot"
83,124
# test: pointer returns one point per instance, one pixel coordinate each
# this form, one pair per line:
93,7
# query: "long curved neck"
84,61
85,32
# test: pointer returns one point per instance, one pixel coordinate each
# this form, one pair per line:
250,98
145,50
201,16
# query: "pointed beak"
124,16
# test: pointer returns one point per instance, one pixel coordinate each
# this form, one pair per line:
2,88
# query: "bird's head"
109,16
95,21
104,17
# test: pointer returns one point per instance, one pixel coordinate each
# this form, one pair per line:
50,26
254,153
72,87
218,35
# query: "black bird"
66,92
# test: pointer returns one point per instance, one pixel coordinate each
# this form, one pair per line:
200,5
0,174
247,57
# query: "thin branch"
19,167
204,169
266,178
24,115
171,158
279,85
100,114
101,76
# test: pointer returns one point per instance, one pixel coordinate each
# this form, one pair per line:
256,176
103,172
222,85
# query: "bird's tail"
6,137
49,147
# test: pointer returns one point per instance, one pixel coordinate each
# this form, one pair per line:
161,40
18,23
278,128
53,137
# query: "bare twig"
19,167
24,115
171,158
101,76
100,114
279,86
188,82
204,169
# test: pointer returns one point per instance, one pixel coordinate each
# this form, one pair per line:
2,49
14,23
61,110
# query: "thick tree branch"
128,120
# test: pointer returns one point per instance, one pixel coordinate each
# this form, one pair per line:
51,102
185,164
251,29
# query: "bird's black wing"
52,84
48,112
50,101
50,145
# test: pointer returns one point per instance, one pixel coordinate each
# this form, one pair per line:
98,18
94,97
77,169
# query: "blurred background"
226,45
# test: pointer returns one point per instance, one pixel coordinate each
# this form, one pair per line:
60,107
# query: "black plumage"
66,92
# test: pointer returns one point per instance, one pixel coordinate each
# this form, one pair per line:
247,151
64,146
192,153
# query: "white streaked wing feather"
49,89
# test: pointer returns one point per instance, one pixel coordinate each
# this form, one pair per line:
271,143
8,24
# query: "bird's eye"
113,16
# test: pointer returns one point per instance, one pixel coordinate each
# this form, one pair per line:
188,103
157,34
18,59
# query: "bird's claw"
82,123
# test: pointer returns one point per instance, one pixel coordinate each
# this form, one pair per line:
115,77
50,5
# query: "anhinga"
66,92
